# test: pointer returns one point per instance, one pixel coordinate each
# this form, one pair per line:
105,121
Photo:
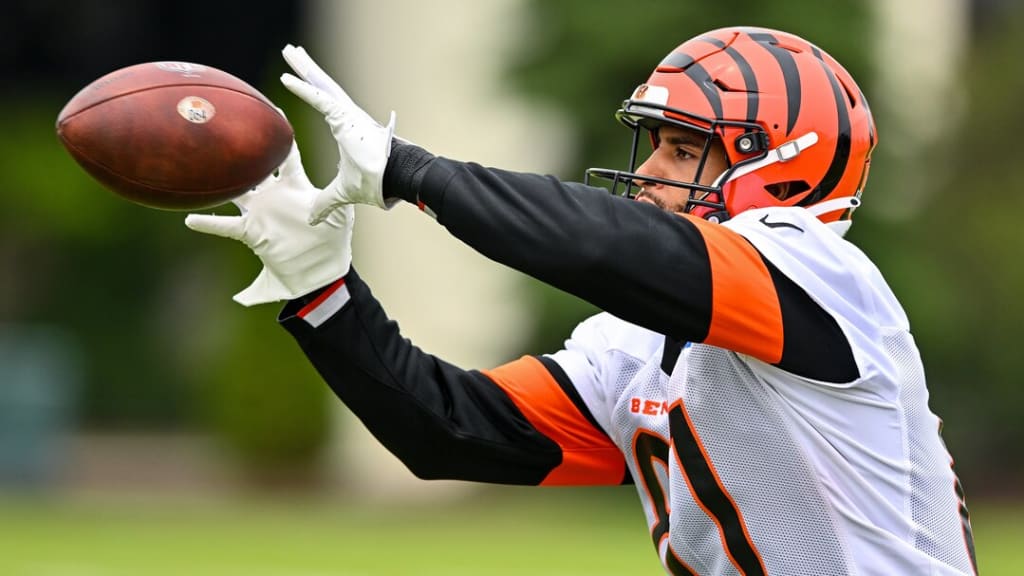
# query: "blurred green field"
539,532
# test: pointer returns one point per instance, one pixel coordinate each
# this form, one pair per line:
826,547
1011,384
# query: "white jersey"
744,468
792,436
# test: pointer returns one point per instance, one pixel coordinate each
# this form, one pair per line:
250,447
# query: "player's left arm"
520,423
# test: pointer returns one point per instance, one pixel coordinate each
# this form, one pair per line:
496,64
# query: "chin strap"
843,203
840,227
783,153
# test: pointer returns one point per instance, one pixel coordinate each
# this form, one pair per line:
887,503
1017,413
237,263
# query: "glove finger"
292,169
265,288
232,227
298,59
325,202
310,71
310,94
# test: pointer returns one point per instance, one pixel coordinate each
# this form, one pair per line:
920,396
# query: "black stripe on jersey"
842,154
790,75
712,495
669,354
965,520
569,389
814,345
647,448
574,395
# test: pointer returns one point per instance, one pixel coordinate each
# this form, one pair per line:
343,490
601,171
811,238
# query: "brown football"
174,135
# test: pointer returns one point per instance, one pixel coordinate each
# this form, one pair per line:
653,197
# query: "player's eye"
684,153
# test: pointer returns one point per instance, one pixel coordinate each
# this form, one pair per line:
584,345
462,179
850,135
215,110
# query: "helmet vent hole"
723,86
786,190
849,94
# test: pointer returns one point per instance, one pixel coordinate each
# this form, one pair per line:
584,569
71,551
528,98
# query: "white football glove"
297,257
363,144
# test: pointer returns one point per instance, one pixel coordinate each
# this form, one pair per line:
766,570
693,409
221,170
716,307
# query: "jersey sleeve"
599,357
520,423
838,277
686,278
550,402
584,363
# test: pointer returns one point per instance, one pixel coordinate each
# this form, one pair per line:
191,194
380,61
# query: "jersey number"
650,450
708,492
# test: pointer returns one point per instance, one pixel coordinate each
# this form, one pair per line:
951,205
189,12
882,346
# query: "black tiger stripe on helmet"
758,89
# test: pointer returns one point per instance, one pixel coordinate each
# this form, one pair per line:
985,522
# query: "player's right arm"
521,423
678,276
681,276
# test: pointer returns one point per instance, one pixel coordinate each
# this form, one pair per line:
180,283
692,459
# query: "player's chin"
648,198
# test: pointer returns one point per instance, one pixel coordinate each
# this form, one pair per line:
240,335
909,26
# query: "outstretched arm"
680,276
522,423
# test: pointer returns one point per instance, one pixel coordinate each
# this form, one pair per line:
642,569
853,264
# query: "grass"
998,538
537,532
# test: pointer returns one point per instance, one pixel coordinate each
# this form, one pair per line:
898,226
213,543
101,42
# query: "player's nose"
648,168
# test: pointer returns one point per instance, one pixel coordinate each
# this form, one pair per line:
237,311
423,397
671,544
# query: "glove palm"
297,257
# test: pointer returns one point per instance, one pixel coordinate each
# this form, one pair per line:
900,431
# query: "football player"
751,373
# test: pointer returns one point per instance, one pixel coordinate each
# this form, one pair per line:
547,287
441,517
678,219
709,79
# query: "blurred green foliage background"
158,345
140,307
116,319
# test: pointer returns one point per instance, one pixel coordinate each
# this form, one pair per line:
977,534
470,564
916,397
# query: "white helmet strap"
844,203
781,153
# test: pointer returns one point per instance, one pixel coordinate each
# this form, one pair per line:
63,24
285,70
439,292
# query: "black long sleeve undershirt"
459,423
539,232
629,258
454,423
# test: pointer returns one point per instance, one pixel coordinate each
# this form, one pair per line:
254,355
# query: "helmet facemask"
705,200
795,128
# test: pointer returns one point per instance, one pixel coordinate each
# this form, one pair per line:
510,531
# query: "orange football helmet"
795,127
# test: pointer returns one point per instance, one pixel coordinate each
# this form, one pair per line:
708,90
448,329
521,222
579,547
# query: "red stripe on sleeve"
321,298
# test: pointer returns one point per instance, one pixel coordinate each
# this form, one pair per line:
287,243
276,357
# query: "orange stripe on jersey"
745,313
588,456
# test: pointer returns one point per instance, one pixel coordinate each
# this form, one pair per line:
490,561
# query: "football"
174,135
